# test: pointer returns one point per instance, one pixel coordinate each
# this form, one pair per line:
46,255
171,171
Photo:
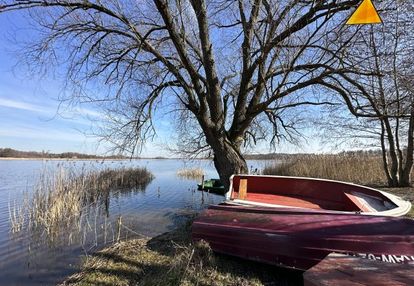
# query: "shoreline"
58,159
172,258
113,159
81,159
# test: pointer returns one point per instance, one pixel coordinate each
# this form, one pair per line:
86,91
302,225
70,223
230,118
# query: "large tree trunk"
393,155
405,179
227,159
384,155
229,163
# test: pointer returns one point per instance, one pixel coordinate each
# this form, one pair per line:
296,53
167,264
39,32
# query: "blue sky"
31,119
30,115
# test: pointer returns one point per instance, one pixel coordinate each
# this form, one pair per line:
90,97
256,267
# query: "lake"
28,258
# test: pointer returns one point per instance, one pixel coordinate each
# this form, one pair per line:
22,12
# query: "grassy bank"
171,259
360,169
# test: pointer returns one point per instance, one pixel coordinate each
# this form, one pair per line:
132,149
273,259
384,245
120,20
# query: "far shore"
82,159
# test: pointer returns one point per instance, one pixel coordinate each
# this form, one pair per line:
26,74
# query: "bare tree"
384,101
234,67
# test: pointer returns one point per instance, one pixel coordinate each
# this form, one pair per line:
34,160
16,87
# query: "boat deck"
296,201
308,193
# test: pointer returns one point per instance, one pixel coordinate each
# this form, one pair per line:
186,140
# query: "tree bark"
384,155
227,158
227,163
405,179
393,154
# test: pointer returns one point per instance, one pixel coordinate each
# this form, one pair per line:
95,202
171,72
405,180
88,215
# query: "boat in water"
212,186
297,222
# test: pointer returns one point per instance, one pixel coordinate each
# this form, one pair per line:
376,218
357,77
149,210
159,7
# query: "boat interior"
308,193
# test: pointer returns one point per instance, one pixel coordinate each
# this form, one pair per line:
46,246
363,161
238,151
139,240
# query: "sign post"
365,14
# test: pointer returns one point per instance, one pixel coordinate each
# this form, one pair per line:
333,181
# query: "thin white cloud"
89,112
50,110
21,105
42,134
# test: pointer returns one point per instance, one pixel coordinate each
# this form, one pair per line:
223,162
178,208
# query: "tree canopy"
229,70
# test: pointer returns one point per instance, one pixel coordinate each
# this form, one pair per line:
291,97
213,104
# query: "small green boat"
212,186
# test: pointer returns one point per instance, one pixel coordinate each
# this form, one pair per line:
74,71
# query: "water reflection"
129,183
65,204
28,258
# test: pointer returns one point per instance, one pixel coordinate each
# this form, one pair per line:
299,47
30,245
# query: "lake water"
28,258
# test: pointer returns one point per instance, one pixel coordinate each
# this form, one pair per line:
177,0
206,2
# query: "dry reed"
356,168
61,198
17,216
196,173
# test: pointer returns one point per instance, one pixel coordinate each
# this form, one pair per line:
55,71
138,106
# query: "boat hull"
299,238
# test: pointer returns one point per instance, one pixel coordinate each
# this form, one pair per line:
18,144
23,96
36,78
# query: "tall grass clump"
192,174
17,215
61,197
355,168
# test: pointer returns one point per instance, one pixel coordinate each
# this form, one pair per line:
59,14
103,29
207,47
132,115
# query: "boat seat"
243,189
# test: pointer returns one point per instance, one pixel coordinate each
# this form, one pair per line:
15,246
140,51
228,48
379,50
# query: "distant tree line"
11,153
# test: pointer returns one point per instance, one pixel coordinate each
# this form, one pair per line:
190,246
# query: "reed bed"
191,174
356,168
61,197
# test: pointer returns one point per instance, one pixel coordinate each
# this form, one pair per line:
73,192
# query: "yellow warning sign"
365,14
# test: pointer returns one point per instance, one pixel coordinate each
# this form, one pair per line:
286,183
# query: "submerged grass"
171,259
356,168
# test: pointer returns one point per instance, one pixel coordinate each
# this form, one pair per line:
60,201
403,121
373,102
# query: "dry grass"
192,174
60,198
360,169
171,259
17,216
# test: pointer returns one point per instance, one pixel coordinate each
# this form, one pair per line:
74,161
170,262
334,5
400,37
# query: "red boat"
297,222
310,193
300,238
